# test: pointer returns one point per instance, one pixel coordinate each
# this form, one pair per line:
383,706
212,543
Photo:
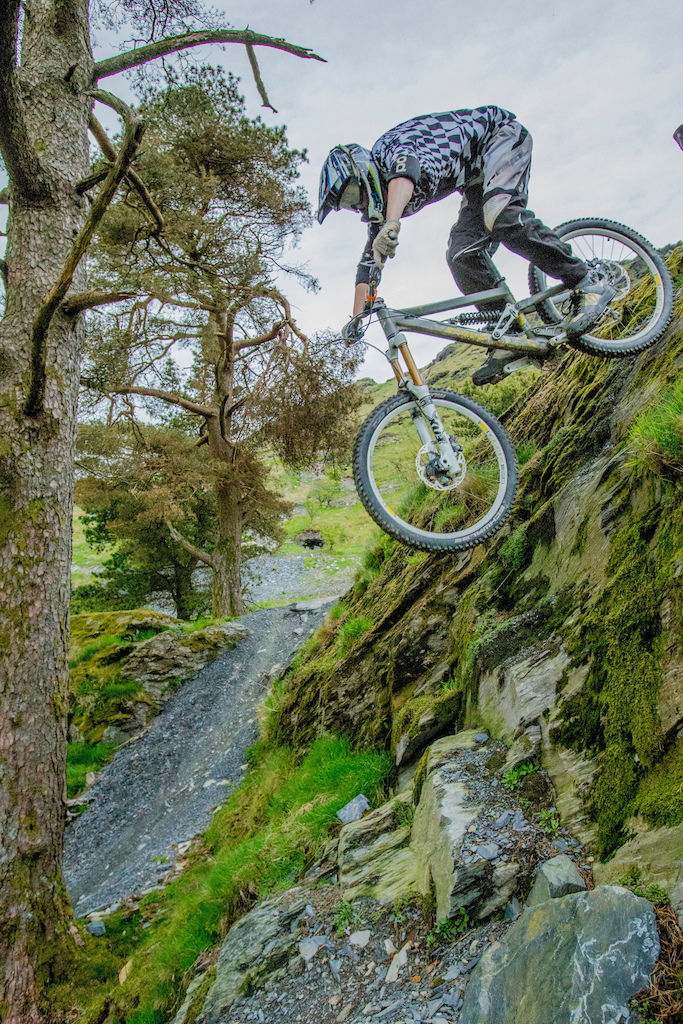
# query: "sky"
596,84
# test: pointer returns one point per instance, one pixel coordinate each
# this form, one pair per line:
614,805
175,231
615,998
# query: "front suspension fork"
425,416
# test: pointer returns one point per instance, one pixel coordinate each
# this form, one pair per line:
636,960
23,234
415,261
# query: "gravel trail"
161,789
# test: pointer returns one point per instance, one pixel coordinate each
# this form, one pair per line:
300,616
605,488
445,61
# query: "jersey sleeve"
404,165
367,260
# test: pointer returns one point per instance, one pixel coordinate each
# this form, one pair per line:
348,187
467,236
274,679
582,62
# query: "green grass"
82,758
84,560
657,433
350,631
273,825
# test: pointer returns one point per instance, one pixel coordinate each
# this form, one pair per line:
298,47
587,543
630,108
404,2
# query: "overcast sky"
597,84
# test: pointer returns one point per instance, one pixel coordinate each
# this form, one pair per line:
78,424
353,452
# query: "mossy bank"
571,618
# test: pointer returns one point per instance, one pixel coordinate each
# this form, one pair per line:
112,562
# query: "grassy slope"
84,559
273,825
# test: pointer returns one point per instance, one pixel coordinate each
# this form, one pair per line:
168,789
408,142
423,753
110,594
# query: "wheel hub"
431,471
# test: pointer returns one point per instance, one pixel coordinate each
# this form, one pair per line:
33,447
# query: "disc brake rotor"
438,479
618,276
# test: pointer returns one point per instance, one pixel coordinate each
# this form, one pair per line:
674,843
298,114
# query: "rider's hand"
353,330
386,242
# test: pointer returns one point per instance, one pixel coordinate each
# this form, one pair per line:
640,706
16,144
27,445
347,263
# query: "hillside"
513,716
569,618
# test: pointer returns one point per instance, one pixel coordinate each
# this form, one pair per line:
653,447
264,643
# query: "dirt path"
161,789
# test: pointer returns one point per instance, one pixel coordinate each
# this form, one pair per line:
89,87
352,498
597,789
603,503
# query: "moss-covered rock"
570,618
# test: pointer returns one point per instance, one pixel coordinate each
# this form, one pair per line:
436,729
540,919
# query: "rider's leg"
507,162
472,273
466,243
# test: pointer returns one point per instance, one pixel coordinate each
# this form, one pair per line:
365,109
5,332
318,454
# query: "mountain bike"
434,468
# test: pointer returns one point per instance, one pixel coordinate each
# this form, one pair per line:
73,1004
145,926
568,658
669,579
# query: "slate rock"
556,877
96,928
243,963
579,958
354,810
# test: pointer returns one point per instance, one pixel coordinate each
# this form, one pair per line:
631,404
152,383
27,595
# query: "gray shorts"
506,167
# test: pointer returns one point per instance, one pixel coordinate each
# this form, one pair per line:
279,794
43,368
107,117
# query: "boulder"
374,856
260,943
556,877
658,854
442,817
575,960
172,657
525,747
516,693
354,810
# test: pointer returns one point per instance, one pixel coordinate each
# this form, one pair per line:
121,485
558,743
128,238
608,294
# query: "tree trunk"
36,485
184,593
227,554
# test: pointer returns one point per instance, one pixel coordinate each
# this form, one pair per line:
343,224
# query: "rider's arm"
400,192
399,195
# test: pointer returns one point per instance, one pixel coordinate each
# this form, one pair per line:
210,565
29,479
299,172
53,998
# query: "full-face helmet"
349,180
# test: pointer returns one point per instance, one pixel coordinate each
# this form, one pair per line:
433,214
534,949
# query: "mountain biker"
485,154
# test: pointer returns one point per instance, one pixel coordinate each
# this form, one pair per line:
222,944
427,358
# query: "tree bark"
36,485
227,554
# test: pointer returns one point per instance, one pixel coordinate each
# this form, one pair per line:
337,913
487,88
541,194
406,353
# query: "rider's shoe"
595,293
493,369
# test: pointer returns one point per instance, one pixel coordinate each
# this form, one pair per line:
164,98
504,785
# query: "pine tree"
225,188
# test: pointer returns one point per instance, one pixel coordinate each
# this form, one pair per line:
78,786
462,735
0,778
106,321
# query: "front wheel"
389,463
642,308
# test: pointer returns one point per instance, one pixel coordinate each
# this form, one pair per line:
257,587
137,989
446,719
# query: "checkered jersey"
447,147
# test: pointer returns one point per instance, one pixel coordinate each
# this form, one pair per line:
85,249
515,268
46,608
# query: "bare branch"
143,54
165,396
132,138
90,182
203,556
116,103
256,71
261,339
109,152
78,301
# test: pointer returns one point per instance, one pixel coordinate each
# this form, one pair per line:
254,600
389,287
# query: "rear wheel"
391,467
642,308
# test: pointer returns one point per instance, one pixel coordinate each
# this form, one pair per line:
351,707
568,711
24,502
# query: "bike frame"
415,320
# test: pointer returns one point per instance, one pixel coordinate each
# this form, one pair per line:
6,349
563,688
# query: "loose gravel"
160,790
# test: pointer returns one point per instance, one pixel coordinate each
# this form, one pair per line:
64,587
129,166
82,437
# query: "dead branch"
203,556
109,153
164,396
131,141
90,182
78,301
126,113
256,71
262,338
142,54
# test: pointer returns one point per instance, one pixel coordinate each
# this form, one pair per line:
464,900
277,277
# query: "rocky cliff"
563,635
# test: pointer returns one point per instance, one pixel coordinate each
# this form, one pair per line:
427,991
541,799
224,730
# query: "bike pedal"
520,364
